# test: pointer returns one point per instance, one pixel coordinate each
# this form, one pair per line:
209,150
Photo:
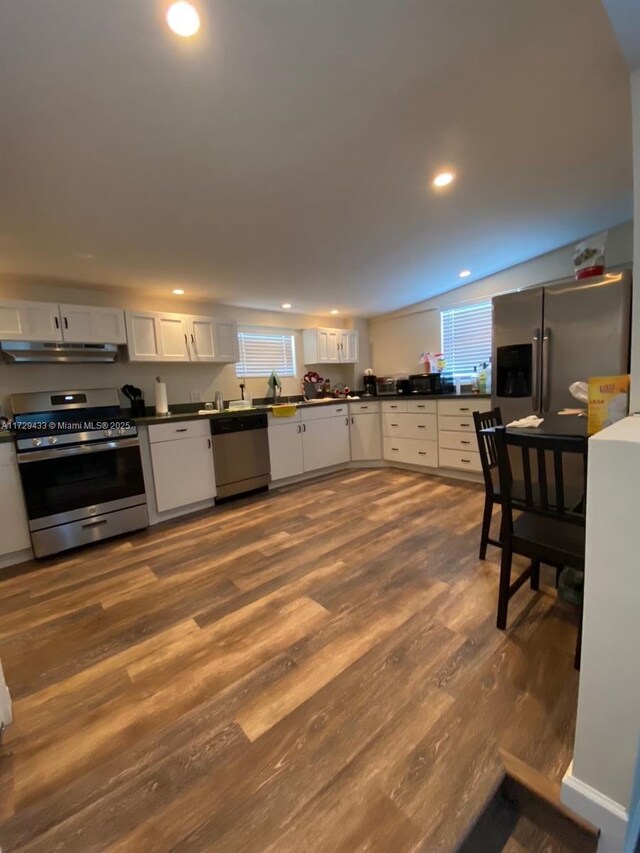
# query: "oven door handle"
76,450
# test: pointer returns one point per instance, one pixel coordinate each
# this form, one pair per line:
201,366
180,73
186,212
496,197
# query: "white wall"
598,785
398,339
181,379
635,343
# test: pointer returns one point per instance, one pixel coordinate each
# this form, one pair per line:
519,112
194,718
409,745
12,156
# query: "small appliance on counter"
403,387
431,383
369,384
388,385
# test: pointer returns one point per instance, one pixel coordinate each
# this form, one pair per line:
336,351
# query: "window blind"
262,352
466,337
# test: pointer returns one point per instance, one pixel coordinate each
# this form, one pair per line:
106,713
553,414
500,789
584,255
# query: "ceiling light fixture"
178,291
286,305
85,256
464,274
183,19
444,179
335,311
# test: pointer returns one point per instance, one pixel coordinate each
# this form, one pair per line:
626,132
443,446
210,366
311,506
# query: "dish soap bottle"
474,381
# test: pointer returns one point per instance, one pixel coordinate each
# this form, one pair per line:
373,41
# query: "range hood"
29,352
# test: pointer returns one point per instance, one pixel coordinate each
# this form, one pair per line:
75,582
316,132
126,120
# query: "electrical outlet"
196,397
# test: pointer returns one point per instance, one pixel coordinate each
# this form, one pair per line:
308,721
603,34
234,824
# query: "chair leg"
486,526
535,575
578,654
505,583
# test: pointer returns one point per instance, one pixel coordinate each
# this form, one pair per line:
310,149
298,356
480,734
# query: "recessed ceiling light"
183,19
85,256
286,305
443,179
178,291
335,311
464,274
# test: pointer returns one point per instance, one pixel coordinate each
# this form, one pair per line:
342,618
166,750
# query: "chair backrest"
544,489
487,442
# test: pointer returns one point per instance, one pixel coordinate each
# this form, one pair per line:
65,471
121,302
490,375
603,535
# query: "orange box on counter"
608,401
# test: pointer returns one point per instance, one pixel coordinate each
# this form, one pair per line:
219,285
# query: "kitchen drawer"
339,410
394,406
467,461
316,412
405,425
364,408
179,429
466,406
411,451
453,423
457,441
422,407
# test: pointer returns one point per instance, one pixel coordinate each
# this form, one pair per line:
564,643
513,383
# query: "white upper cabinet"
30,321
226,338
87,324
329,346
180,337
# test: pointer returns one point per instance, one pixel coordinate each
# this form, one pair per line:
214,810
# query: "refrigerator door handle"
535,365
545,369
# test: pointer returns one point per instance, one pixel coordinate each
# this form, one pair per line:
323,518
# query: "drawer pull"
422,426
465,425
364,407
95,523
395,448
183,429
468,461
422,453
394,424
420,406
464,442
393,407
464,408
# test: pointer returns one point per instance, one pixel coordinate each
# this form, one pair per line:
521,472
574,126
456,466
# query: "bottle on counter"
474,381
482,379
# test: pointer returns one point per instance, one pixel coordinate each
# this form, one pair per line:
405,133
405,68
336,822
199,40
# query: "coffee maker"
369,385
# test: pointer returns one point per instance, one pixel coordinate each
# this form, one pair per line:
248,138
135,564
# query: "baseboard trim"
598,809
14,558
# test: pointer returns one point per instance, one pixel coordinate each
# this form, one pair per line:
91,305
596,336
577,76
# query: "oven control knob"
36,442
53,440
108,433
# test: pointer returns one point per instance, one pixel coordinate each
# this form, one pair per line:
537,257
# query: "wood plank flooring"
317,669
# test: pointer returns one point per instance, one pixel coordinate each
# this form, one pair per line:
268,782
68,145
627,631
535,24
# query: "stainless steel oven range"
80,466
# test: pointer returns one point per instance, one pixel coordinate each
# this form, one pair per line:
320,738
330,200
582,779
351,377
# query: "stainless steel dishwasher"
240,454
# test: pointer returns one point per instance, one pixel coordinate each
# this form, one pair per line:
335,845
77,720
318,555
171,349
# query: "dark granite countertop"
187,414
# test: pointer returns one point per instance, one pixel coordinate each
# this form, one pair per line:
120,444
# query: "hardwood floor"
313,670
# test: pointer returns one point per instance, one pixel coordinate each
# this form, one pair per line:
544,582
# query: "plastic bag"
580,390
588,256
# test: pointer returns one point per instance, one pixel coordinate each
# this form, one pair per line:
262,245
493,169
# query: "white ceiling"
285,154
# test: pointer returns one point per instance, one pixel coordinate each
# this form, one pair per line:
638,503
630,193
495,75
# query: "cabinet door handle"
352,419
57,322
95,523
193,342
209,443
304,427
299,428
346,421
183,429
66,323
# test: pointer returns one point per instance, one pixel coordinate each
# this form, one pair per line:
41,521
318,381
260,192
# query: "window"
264,351
466,337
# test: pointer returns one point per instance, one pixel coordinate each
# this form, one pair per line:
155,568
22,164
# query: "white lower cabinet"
317,439
15,528
285,447
457,442
182,463
366,434
410,434
411,451
340,444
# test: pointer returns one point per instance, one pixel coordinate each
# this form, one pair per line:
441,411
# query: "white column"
598,784
635,336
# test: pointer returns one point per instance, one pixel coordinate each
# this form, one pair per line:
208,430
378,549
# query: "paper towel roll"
161,398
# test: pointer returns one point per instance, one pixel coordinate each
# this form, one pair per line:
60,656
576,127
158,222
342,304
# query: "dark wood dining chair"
489,462
543,519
